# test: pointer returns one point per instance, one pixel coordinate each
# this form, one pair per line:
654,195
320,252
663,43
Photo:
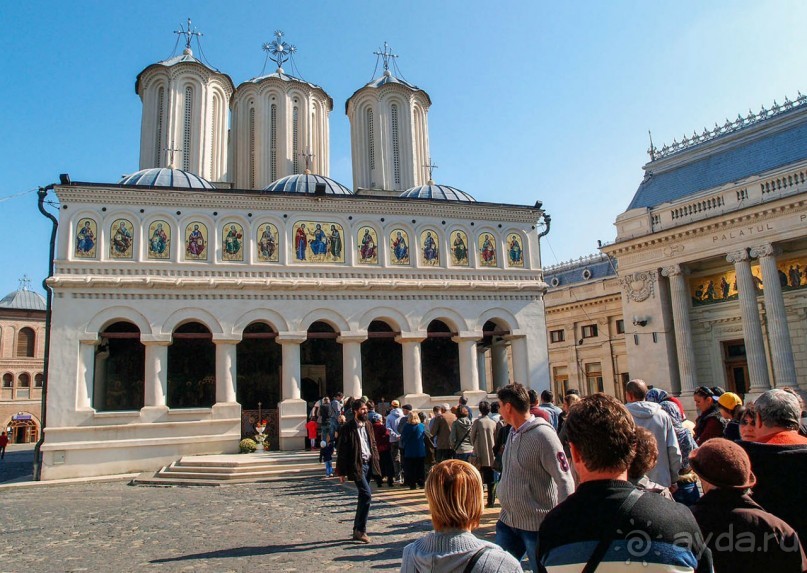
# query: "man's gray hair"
778,409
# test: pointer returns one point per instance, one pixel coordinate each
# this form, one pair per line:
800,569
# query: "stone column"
481,367
86,368
156,372
498,359
412,373
225,371
351,362
521,368
784,366
685,349
469,375
752,327
290,343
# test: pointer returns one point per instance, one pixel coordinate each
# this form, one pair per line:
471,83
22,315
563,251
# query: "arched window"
295,138
26,340
8,380
120,365
273,142
370,139
186,134
192,367
158,144
38,380
213,132
24,381
252,148
396,148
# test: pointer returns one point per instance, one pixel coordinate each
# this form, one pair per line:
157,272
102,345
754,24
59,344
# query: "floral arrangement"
261,424
247,446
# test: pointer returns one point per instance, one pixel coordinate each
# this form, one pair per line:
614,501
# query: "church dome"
307,183
165,177
439,192
24,299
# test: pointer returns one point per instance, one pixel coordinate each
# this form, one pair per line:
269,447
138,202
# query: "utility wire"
15,195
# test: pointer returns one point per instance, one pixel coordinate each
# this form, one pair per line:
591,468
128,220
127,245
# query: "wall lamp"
640,321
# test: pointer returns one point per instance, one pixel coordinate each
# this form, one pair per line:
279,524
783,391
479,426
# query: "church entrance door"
736,367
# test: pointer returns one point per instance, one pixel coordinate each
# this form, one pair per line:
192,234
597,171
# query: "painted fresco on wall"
792,273
723,286
368,246
121,239
232,242
515,251
268,243
318,242
487,250
399,247
196,241
86,238
459,248
429,249
159,240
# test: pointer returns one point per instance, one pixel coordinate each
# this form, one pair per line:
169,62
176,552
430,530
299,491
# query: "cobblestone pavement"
299,525
17,464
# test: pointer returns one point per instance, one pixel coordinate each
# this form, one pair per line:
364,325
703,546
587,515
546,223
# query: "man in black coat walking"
357,456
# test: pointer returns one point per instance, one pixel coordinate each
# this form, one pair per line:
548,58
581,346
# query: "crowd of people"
591,482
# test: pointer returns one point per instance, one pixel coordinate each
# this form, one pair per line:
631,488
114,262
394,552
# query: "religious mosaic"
459,248
232,242
515,251
723,286
368,246
318,242
86,238
399,247
196,241
487,250
159,240
121,241
429,250
267,243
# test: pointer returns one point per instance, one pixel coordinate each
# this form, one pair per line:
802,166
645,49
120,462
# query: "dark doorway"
192,367
440,360
320,363
258,361
120,363
381,362
736,365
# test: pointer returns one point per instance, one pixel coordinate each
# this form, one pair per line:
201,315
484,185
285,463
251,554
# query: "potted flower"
260,438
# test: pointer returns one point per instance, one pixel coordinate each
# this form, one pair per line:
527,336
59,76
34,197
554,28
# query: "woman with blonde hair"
454,493
414,451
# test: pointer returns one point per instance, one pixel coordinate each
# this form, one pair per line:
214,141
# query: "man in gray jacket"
393,419
651,416
536,475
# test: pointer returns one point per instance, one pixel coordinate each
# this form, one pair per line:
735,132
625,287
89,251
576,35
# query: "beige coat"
442,431
483,433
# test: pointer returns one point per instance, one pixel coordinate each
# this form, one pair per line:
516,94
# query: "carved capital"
765,250
639,286
674,270
735,257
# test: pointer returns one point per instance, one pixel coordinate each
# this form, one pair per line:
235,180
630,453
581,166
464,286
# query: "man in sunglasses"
710,423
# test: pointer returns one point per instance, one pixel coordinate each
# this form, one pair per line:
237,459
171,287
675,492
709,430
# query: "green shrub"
247,446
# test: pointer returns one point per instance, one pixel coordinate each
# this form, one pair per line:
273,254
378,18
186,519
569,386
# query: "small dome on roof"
439,192
24,299
166,177
307,183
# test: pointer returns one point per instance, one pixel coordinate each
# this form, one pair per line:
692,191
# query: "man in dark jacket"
741,535
357,456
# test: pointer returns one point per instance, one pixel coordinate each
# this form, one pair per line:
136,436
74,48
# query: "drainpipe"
548,221
37,469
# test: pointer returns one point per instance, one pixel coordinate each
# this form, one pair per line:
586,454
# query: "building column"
784,366
521,368
498,359
351,362
752,327
290,343
225,371
86,368
481,367
412,372
679,293
156,372
469,374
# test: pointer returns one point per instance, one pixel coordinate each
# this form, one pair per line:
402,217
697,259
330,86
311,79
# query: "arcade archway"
440,361
381,363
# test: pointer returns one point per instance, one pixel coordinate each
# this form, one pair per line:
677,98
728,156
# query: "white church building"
232,276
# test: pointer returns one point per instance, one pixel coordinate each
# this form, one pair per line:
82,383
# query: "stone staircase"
223,469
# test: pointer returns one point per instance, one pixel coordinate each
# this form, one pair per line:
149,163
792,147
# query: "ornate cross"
189,34
171,150
279,49
307,157
25,283
386,54
431,167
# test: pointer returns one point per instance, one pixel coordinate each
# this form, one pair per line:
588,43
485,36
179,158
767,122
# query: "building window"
273,142
620,326
8,380
594,377
186,139
158,147
396,150
589,331
560,380
25,343
556,336
252,148
38,380
370,139
295,138
213,143
24,381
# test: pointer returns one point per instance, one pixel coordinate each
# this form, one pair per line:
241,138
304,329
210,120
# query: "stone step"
241,469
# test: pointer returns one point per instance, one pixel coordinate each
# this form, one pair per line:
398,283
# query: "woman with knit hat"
730,406
741,535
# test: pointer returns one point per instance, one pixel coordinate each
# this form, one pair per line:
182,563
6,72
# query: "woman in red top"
384,452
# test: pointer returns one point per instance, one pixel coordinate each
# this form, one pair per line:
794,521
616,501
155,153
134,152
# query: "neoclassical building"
181,305
712,253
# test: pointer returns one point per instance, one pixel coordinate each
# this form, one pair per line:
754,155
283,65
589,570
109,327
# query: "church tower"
185,114
280,125
389,132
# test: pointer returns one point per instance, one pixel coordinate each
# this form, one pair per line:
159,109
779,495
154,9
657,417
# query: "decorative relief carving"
671,250
674,270
737,256
765,250
639,286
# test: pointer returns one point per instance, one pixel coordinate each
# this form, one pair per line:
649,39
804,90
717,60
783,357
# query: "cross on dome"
279,49
307,156
171,150
25,283
431,167
386,54
189,33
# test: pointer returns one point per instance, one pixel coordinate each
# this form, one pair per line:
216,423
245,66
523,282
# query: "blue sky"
531,100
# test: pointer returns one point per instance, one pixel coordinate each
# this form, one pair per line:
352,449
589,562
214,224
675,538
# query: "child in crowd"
312,427
326,453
